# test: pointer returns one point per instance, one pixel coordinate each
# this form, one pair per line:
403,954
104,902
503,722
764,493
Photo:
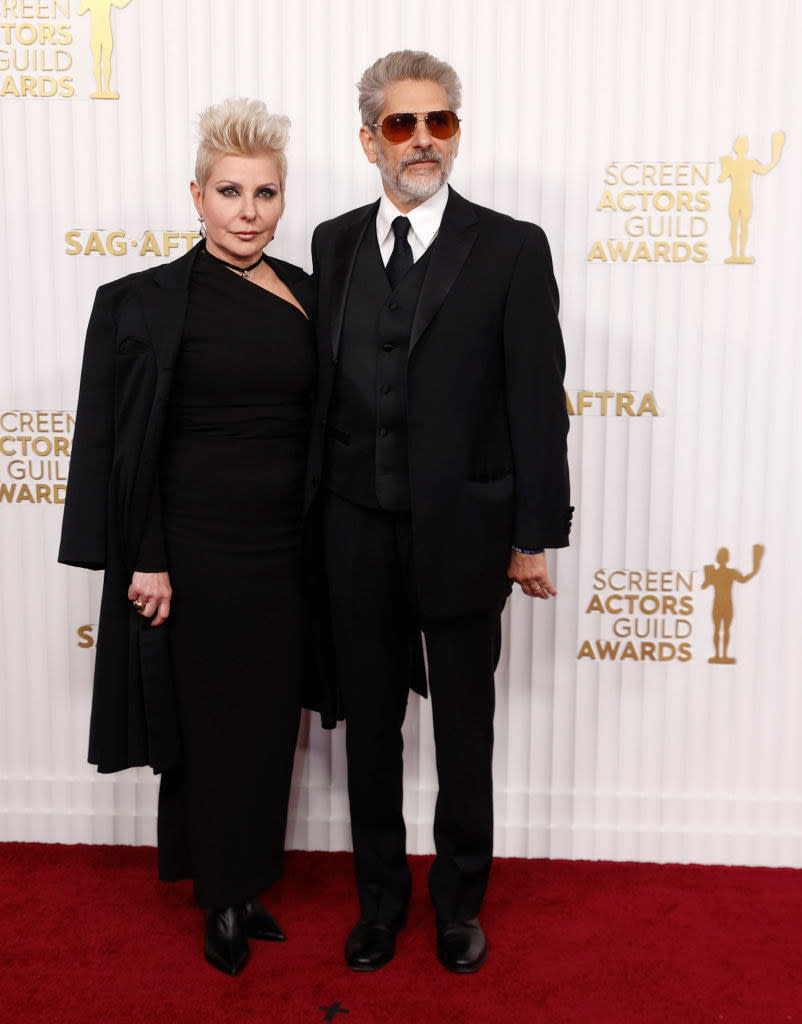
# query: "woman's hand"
153,591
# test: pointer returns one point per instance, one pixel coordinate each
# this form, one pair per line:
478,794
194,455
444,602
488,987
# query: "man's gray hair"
398,66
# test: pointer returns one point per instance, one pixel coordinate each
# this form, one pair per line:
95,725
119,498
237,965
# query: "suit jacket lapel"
343,259
165,297
450,250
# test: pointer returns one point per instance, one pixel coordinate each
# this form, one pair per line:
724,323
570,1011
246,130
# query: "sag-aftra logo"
653,615
662,211
35,447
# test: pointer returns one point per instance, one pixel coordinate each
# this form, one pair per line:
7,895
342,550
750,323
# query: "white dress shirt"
424,223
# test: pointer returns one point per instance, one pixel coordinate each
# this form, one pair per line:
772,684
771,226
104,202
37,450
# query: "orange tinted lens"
442,124
398,127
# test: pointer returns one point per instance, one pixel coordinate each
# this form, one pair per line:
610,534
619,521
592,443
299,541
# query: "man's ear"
369,144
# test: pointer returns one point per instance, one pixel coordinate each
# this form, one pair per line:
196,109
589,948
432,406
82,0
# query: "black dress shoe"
226,945
370,945
461,945
260,923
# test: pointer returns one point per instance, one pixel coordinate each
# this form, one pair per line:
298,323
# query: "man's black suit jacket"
486,410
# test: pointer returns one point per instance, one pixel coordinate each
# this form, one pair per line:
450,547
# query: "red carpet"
87,934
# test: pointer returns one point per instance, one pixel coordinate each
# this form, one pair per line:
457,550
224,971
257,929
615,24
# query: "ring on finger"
138,604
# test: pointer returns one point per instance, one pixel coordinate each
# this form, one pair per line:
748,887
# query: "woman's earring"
202,225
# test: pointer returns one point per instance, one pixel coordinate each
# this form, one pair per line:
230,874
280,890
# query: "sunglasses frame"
418,117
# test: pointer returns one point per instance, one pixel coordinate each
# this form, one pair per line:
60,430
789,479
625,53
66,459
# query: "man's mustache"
420,157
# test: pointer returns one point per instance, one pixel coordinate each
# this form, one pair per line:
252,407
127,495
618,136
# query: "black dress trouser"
372,589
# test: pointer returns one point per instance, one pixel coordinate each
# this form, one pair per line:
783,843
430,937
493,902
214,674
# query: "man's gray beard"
411,187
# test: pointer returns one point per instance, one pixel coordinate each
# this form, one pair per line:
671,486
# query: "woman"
186,487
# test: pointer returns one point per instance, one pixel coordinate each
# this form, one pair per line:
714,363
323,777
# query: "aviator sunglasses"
441,124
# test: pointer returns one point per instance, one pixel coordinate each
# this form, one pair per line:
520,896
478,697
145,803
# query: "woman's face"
241,205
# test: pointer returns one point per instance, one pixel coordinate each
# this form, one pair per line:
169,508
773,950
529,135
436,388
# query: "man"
440,472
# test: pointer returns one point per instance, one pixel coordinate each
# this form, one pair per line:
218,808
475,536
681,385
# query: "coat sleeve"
83,530
538,418
152,555
316,257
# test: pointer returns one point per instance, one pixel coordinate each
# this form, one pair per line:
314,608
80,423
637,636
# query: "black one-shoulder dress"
231,494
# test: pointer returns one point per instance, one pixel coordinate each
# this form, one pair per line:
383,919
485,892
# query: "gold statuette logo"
102,43
739,169
38,47
721,579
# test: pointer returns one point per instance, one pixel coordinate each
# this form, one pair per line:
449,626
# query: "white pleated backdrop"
648,753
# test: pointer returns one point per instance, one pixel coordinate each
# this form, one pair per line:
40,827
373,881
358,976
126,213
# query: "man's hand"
151,593
531,573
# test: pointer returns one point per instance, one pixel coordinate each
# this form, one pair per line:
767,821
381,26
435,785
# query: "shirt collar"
424,220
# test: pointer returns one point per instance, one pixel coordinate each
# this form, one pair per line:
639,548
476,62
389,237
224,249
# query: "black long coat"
486,412
132,345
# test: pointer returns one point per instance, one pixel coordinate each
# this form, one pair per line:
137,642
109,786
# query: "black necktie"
401,257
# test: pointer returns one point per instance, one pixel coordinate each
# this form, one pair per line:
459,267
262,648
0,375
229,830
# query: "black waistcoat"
367,460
